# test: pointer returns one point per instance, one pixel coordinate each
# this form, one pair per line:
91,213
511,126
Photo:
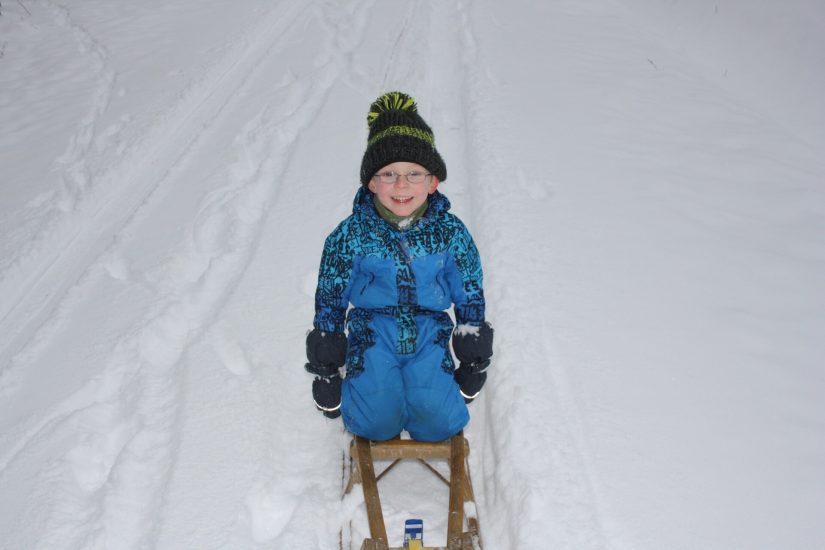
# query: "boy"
400,260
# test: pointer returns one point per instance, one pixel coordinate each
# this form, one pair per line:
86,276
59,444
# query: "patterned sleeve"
334,275
466,278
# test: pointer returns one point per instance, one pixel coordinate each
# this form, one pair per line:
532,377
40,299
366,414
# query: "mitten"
470,380
326,353
473,346
327,395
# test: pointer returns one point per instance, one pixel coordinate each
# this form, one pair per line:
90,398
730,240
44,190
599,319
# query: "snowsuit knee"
387,391
399,367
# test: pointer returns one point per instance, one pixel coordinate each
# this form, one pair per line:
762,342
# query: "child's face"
402,198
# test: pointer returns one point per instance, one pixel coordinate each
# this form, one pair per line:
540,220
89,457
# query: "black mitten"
470,380
326,353
473,346
327,395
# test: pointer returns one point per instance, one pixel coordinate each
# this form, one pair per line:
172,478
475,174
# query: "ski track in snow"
127,186
110,486
75,173
56,207
83,221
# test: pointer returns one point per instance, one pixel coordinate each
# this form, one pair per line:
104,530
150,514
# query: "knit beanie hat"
397,133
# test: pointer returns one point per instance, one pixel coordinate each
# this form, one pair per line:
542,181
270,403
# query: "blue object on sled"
413,531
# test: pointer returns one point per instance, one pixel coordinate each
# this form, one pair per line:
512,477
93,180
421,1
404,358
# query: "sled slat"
455,520
378,531
454,450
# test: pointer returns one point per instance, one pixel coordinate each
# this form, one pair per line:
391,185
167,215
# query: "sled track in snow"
513,493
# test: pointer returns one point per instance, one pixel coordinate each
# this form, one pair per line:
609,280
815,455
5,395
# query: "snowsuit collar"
398,222
363,206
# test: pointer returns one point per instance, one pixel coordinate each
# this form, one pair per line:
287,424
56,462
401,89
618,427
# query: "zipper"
439,278
364,288
402,241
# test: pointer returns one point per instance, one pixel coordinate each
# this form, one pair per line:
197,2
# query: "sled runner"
364,454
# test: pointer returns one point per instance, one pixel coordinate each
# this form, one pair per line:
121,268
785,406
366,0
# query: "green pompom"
391,101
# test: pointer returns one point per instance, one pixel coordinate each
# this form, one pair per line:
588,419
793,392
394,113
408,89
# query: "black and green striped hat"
399,134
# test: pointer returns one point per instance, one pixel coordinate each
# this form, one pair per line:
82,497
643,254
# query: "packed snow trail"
641,230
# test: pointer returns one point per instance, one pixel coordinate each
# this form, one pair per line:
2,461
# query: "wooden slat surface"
454,450
455,520
373,502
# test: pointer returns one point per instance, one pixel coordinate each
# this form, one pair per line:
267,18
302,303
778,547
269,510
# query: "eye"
415,174
387,174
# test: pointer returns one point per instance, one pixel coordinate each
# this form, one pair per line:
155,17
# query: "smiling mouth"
402,199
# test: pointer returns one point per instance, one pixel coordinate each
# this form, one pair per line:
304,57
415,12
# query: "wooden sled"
364,453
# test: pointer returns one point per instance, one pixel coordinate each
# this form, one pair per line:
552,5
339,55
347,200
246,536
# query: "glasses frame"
380,177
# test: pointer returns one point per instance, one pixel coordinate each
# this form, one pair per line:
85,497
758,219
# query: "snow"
466,329
644,181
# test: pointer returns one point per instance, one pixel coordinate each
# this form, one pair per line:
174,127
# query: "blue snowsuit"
399,368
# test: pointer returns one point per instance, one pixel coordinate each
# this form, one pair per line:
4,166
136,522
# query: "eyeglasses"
389,177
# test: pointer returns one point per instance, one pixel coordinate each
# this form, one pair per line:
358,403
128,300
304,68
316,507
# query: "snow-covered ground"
644,179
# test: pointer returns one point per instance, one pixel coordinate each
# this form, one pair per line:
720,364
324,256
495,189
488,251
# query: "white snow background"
645,180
